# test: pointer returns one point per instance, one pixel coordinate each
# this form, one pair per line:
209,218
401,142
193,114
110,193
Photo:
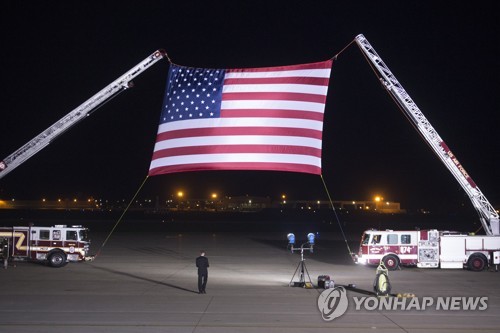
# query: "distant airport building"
234,204
65,204
351,205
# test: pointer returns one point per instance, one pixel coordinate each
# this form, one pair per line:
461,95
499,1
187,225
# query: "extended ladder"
43,139
487,213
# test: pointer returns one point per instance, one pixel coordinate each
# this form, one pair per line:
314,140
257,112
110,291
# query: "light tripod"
301,267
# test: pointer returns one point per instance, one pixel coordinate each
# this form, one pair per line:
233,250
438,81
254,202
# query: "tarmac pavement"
147,282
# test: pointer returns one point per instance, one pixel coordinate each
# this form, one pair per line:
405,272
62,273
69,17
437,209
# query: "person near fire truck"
5,252
202,264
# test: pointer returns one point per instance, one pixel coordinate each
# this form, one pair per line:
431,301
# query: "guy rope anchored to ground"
120,218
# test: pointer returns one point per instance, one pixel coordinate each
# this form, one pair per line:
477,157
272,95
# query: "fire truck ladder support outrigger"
487,213
43,139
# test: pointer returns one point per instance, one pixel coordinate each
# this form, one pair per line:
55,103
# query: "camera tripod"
301,269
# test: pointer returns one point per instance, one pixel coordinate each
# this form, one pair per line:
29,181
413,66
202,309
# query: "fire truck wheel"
477,262
391,262
57,259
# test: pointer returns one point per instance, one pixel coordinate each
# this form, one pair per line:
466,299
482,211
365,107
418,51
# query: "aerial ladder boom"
487,213
43,139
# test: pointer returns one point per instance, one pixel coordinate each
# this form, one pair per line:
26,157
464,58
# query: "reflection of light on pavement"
239,277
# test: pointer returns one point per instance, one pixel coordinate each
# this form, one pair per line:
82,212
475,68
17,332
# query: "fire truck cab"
428,249
56,245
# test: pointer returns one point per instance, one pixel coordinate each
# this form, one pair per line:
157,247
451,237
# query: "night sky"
55,55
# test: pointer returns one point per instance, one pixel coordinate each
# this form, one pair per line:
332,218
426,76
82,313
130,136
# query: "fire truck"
428,249
60,244
56,245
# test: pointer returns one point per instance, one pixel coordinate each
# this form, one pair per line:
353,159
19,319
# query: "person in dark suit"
4,247
202,264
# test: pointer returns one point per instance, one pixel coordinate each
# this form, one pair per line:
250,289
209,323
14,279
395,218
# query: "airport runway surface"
147,282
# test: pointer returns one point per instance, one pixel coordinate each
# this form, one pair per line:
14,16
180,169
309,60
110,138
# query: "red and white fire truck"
59,244
56,245
428,249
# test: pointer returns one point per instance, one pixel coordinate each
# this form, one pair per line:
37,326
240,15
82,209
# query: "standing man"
202,264
5,252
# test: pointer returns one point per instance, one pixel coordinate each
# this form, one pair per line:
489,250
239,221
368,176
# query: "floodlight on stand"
310,238
301,267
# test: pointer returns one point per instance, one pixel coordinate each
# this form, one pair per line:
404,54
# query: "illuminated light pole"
379,200
180,203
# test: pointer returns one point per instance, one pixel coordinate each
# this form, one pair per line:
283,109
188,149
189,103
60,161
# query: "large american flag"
242,119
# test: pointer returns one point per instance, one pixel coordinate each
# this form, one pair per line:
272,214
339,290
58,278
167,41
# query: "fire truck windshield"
84,235
365,239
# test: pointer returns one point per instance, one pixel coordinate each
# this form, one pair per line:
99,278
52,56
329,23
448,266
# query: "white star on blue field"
192,93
